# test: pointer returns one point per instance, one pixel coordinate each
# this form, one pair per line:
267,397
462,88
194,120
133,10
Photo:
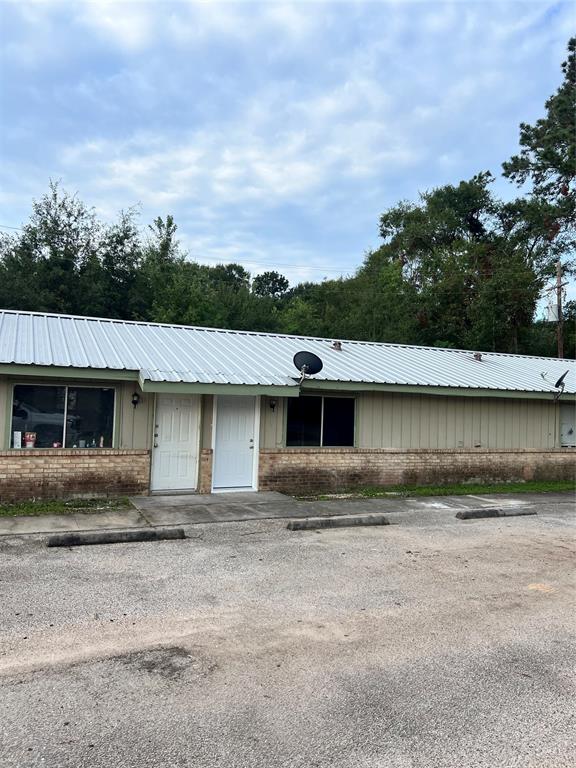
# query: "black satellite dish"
307,363
560,383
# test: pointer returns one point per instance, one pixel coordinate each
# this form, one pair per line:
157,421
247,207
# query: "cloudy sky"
275,133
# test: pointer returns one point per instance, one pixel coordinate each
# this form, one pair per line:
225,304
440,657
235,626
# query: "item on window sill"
56,444
17,440
30,439
101,442
81,443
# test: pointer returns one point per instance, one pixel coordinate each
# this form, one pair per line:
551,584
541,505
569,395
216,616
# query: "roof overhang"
417,389
288,390
67,372
146,385
194,388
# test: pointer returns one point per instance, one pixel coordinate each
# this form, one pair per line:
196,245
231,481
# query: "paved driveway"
429,642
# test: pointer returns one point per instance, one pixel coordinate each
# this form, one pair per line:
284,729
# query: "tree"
475,265
548,154
271,284
232,276
42,265
161,263
547,157
120,259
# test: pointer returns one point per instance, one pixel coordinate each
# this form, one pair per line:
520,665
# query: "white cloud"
128,24
266,155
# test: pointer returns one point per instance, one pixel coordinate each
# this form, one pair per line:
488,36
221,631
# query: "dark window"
52,417
38,411
338,421
89,417
304,420
320,421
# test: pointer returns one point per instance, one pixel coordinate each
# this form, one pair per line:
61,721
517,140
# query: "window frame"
66,386
321,445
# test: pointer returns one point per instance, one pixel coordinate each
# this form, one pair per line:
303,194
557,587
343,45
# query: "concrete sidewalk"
158,511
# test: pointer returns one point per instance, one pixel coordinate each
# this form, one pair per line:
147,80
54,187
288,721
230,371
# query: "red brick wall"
45,474
296,470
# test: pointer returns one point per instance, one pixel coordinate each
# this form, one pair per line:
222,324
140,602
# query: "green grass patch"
63,507
531,486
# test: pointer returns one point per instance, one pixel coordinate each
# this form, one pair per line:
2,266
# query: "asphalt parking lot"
429,642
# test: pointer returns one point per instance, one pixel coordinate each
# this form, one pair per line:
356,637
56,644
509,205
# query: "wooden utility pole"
560,323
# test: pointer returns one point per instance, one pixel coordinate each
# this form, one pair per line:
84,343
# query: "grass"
530,486
63,507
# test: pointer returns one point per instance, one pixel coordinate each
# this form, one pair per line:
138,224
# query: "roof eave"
361,386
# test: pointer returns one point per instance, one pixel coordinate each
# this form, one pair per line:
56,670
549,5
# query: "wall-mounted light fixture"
135,399
272,405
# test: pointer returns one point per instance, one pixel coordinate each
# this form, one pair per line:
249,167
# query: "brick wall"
205,478
296,470
60,473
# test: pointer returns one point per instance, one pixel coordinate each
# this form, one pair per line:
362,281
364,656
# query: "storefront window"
53,417
38,416
89,417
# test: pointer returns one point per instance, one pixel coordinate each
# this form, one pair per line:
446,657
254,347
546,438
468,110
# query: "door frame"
256,458
196,479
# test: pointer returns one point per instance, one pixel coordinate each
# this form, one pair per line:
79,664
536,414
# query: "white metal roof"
173,353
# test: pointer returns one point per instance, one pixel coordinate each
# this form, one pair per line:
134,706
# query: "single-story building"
98,406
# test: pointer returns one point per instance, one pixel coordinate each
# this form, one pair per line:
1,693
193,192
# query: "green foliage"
464,489
470,267
548,154
547,159
64,507
271,284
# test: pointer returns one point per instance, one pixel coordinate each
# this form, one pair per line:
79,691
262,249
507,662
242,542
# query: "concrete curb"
114,537
477,514
340,521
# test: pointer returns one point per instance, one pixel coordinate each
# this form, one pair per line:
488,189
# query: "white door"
235,443
567,425
176,443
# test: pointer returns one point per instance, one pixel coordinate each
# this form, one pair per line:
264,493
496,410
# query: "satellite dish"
560,383
307,363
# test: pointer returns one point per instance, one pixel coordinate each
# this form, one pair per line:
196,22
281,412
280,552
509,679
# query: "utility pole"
560,324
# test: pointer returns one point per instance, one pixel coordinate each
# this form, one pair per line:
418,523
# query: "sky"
275,133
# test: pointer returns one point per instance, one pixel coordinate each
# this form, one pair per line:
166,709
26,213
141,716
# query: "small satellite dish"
560,383
307,363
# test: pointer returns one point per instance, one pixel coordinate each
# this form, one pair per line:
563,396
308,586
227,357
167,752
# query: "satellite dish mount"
308,364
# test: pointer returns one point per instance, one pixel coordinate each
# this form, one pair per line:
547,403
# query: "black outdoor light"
135,399
273,404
